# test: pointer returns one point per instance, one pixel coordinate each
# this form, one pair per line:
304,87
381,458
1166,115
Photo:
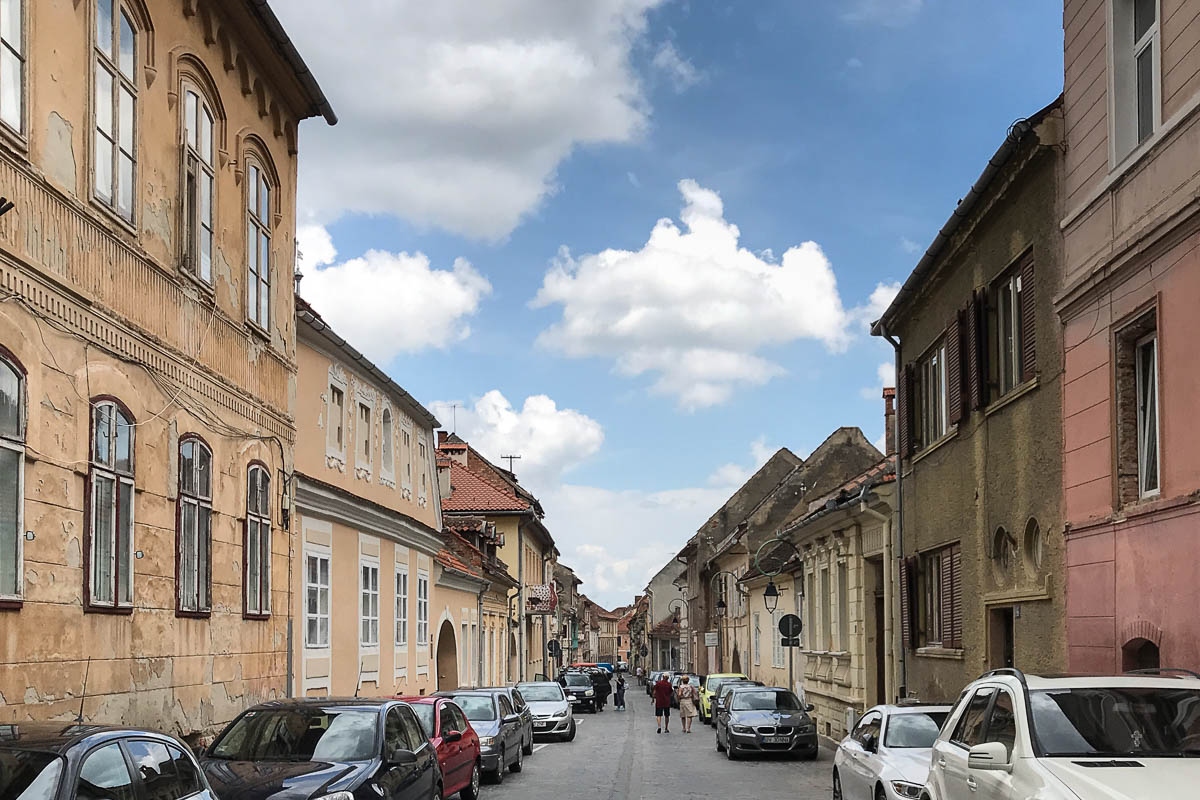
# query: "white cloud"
456,113
692,307
881,297
889,13
386,304
314,247
733,475
681,71
909,246
854,63
550,440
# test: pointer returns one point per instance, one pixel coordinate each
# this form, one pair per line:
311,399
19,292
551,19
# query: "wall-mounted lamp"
771,597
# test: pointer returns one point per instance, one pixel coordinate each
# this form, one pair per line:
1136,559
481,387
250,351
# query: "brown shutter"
904,412
974,384
956,605
954,369
1028,321
905,605
946,596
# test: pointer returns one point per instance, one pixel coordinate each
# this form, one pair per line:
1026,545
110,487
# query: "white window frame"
13,48
16,445
199,166
122,83
123,483
364,431
368,604
1125,140
196,598
422,458
1144,404
319,553
258,245
464,646
387,445
261,517
934,408
422,608
401,603
1009,361
778,660
406,454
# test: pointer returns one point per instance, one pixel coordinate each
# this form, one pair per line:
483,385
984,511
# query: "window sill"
316,649
11,604
111,214
1013,395
122,611
950,433
941,652
258,330
207,289
256,617
182,614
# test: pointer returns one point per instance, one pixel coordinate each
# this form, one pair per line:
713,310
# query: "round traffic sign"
790,626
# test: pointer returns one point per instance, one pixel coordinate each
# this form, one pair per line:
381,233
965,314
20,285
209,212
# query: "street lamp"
675,609
721,608
771,597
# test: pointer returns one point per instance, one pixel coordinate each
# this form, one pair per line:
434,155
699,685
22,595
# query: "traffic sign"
790,626
554,648
645,651
786,642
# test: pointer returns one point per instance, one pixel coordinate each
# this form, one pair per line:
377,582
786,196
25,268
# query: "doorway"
513,652
880,668
1139,654
737,661
447,658
1001,644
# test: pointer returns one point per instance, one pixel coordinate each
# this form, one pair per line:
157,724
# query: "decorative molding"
1141,629
322,501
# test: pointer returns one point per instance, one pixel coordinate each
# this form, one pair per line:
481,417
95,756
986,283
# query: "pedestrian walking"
662,703
688,695
619,694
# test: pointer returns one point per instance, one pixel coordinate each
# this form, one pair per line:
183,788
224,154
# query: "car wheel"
528,748
837,786
732,752
519,764
720,747
879,793
437,793
472,790
498,775
571,732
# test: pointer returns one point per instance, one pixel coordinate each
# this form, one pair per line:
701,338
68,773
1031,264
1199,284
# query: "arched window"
194,527
110,508
199,184
258,246
12,64
258,542
388,447
12,475
115,154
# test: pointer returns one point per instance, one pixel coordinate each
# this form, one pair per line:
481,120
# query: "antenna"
83,695
510,460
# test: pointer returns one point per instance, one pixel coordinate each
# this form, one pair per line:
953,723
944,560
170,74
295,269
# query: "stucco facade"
1132,229
980,392
152,437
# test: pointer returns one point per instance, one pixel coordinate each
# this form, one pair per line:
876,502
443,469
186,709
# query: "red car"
455,741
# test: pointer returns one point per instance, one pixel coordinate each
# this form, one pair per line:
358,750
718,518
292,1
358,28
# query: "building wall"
99,306
1000,466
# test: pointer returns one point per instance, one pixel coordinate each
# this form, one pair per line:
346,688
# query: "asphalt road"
618,756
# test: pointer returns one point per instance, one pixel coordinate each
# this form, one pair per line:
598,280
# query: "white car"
1012,736
887,754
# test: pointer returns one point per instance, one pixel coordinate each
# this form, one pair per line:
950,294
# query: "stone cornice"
321,500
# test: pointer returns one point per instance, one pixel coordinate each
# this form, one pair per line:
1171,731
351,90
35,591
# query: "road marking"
540,746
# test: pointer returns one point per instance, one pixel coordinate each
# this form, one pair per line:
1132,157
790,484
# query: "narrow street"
618,756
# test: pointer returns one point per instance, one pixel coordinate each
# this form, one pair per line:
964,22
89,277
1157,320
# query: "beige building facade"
147,355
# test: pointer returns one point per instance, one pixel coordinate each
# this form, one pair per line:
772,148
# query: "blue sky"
477,154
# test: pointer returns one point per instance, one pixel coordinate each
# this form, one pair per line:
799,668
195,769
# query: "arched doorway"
737,661
447,657
513,652
1139,654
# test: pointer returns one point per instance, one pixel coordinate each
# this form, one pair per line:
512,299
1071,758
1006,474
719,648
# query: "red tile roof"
470,492
667,627
448,560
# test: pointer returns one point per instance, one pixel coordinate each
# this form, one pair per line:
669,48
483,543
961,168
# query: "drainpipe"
479,635
888,626
521,644
545,618
895,343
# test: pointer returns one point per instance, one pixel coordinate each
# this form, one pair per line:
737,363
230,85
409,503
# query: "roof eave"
274,28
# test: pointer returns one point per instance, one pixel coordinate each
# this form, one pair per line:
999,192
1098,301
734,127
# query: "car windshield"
914,730
765,701
29,775
1137,721
424,712
477,707
715,684
575,679
540,692
299,734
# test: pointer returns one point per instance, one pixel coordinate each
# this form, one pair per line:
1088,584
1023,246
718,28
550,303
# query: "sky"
639,243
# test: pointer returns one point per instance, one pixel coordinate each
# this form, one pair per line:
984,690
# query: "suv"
1102,737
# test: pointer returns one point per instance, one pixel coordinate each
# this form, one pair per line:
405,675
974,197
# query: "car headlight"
560,714
484,741
589,693
742,729
336,796
906,789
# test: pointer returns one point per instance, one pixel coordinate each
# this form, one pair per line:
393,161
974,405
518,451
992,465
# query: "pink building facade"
1131,316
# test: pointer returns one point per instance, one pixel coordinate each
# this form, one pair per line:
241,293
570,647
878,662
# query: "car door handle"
942,763
971,784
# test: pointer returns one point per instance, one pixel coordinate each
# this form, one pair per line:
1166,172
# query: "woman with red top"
662,703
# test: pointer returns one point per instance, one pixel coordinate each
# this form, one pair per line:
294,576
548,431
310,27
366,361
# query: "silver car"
887,754
552,714
764,720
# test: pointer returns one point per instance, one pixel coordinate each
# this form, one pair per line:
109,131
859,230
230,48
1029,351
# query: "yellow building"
147,355
382,605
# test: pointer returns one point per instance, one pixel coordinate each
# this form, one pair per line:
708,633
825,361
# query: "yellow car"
710,690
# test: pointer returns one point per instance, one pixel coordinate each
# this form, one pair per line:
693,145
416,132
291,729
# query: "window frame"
1126,140
1145,493
364,425
366,593
400,601
261,225
18,134
1009,360
422,608
318,554
110,64
261,518
932,407
193,167
17,445
203,583
123,482
387,445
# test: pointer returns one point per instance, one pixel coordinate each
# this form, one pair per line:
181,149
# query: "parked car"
622,666
522,708
762,719
552,715
606,665
677,680
887,753
601,683
364,749
498,724
96,762
709,690
726,688
1013,736
455,741
653,679
579,690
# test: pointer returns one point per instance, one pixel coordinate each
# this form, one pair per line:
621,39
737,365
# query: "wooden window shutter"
946,591
956,604
905,606
904,412
977,370
1028,321
954,369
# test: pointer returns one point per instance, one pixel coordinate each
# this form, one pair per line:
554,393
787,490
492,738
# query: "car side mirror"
989,756
809,708
401,757
452,736
512,719
870,743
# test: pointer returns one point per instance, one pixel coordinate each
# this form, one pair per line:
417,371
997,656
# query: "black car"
765,720
522,709
601,682
498,724
580,690
96,762
371,749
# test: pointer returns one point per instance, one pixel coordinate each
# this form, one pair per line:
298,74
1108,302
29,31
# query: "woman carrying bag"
688,696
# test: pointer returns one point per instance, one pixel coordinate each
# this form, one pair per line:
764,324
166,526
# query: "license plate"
540,724
775,740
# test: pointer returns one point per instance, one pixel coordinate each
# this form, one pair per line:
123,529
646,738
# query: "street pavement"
618,756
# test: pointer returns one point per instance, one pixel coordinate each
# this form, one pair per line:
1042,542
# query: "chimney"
889,420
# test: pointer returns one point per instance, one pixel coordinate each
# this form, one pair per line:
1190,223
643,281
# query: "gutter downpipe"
479,632
522,645
545,619
881,326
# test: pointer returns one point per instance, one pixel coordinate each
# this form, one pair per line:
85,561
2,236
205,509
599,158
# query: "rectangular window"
757,640
422,608
826,602
12,64
337,407
465,646
110,574
364,432
941,597
1147,415
778,659
258,247
12,476
1136,78
811,626
199,186
843,608
422,455
114,110
387,445
401,606
931,398
1138,436
195,527
316,600
368,587
1005,326
257,600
